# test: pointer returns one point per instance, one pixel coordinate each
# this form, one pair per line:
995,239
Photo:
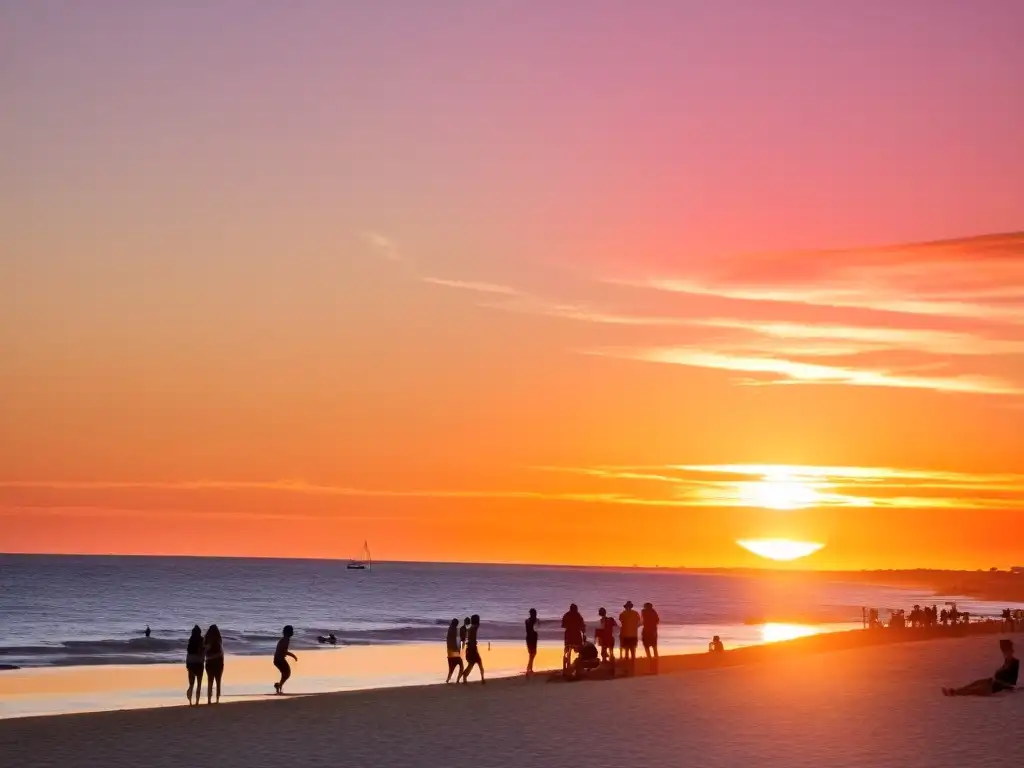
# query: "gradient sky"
557,282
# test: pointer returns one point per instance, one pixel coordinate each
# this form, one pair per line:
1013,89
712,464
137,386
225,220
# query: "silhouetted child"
281,655
715,646
1004,679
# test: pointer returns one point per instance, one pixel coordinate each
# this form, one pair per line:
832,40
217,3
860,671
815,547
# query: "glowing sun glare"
780,549
779,493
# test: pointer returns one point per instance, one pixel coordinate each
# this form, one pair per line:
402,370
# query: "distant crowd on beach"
204,655
925,617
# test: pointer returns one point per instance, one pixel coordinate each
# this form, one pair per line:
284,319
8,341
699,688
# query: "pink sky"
405,248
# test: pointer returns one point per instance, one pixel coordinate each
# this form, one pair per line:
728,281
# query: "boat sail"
364,564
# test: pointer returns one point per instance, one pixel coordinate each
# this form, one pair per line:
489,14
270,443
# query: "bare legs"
212,676
195,680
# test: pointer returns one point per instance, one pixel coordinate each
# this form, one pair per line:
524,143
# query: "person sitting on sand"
281,655
194,658
214,661
473,658
605,635
715,646
1004,679
454,651
531,640
575,632
586,660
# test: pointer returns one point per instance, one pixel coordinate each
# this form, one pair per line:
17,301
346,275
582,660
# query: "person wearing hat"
629,632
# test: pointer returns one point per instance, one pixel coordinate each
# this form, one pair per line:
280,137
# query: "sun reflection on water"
777,632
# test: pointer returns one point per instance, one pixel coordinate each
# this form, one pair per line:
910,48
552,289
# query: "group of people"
633,628
204,653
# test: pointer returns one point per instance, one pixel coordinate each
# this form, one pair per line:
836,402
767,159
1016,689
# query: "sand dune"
866,706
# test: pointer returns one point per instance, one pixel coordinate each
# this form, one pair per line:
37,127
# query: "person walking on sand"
464,633
194,658
454,651
531,641
649,619
281,654
629,630
214,661
472,651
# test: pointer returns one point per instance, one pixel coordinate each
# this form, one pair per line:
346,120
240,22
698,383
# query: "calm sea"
59,611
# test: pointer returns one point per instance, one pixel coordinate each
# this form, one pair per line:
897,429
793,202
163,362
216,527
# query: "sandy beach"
792,704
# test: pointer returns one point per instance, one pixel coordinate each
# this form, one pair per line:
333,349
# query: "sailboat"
361,565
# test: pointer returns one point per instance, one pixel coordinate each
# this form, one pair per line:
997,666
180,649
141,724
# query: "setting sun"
779,492
780,549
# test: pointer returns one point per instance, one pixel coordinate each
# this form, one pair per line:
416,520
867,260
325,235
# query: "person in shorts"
629,632
605,635
454,651
575,632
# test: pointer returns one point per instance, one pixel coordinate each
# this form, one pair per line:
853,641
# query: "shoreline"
303,686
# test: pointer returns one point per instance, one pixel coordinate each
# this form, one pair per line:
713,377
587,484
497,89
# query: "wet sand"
854,700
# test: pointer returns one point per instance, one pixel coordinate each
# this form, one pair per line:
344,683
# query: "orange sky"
273,294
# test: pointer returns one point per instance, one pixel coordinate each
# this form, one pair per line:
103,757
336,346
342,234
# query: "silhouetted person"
214,661
715,646
1004,679
472,652
605,635
575,630
194,657
464,632
330,639
531,640
586,660
629,631
281,654
454,649
148,631
649,635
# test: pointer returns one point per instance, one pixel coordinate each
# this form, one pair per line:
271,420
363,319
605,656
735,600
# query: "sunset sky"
575,281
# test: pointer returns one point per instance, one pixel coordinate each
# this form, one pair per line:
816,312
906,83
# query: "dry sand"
795,706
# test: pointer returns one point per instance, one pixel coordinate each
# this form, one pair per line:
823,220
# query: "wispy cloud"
470,285
782,370
978,278
801,486
385,247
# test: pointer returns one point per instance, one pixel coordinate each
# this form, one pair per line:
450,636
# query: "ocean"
82,611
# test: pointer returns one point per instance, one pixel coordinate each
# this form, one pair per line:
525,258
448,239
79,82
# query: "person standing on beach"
194,658
214,662
464,633
649,620
454,647
472,651
531,640
575,630
629,630
281,654
605,635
